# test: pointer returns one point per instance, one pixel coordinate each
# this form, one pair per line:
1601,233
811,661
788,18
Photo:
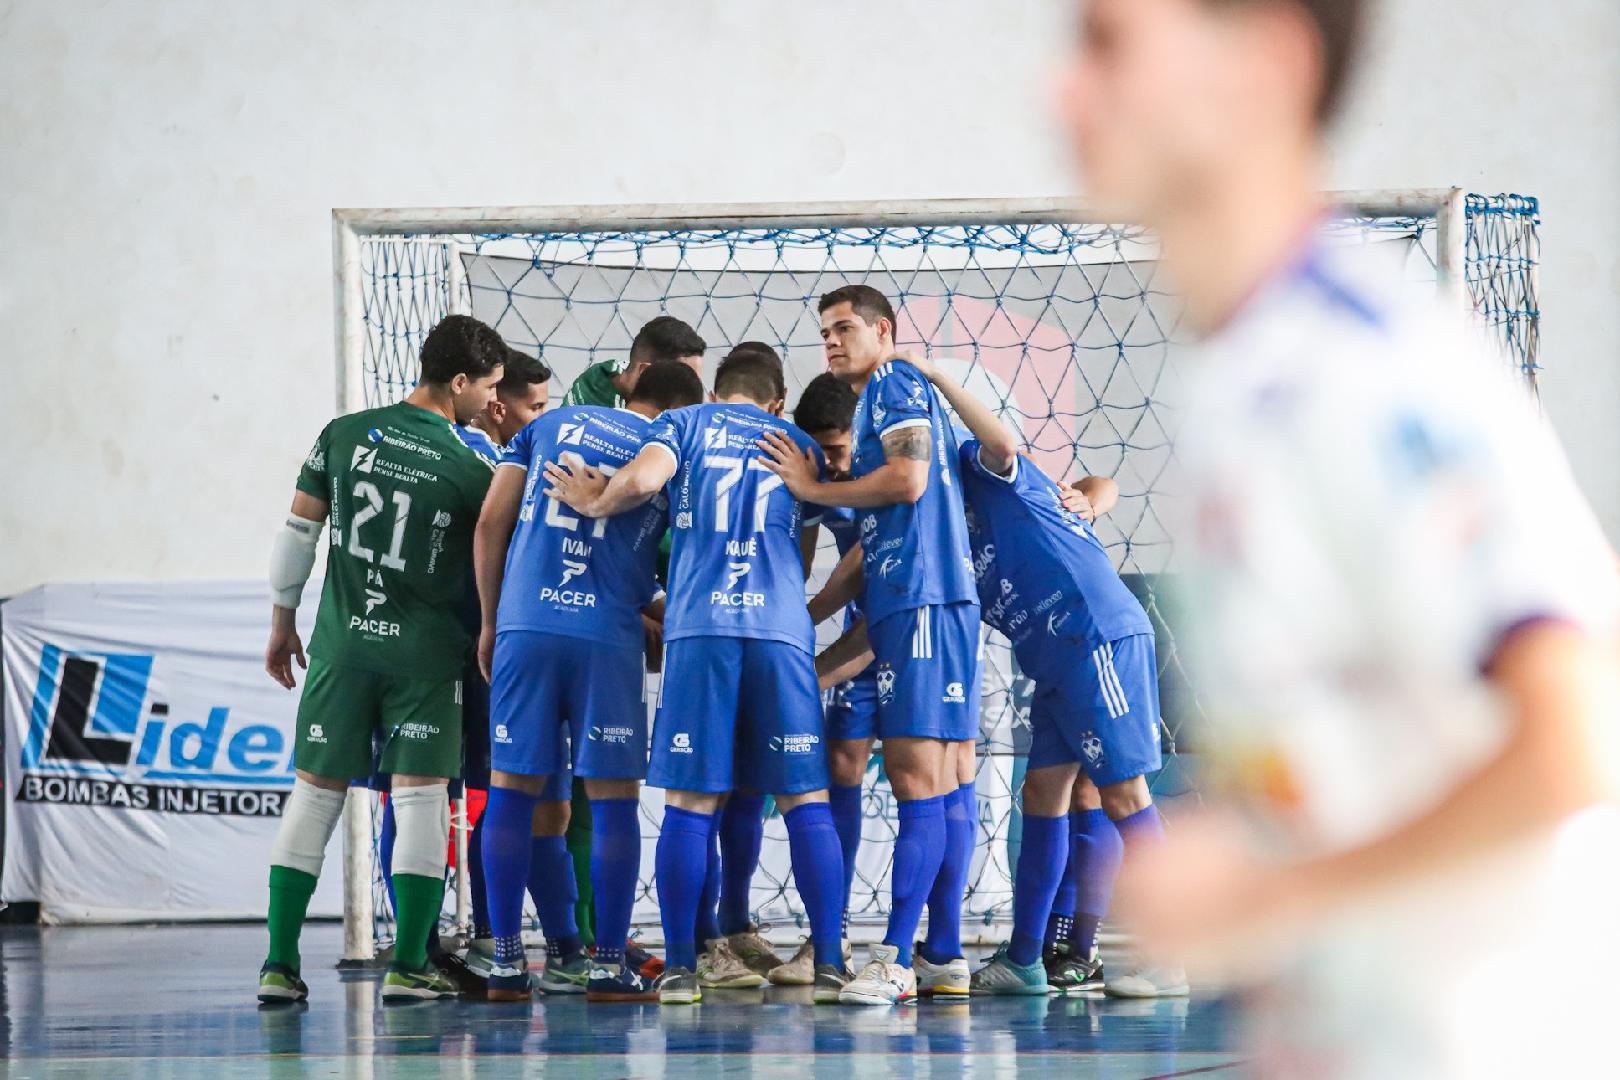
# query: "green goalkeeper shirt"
405,492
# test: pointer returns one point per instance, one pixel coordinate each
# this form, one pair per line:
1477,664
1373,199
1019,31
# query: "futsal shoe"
678,986
1148,982
754,950
280,985
946,980
509,982
1002,976
799,971
1067,973
619,983
830,980
719,968
643,961
566,974
470,982
422,984
883,981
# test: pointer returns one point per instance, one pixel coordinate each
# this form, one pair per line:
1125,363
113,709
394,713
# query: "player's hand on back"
285,644
578,488
916,359
1075,502
797,468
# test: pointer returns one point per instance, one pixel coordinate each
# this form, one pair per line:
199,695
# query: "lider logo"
98,736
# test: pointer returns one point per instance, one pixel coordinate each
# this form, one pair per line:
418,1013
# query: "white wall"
166,172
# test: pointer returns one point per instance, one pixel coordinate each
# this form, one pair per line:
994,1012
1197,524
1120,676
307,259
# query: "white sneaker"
881,981
950,979
1148,982
799,971
721,969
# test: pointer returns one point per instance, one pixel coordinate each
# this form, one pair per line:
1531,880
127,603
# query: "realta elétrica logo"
97,737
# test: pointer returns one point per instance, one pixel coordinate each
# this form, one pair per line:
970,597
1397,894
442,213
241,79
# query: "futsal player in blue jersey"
561,645
1046,582
739,704
923,618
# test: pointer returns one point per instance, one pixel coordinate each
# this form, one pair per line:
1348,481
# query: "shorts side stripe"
1099,661
1113,675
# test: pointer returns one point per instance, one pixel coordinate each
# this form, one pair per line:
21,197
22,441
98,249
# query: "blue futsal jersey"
916,554
572,575
479,443
1044,579
735,569
845,526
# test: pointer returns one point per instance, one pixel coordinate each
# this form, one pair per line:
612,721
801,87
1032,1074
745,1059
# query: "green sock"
290,891
579,849
417,900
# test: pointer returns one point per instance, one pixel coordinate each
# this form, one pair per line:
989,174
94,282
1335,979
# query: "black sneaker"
830,980
1070,974
619,983
457,970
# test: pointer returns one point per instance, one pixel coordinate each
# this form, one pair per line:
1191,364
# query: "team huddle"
641,525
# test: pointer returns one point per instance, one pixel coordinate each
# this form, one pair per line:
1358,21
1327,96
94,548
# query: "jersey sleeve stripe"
915,421
655,444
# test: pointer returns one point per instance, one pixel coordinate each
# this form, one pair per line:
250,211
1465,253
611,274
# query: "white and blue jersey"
565,574
1046,582
735,568
479,443
739,703
915,554
567,682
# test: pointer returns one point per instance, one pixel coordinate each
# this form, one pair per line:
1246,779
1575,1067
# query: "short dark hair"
460,345
826,405
1339,27
752,369
665,338
522,372
866,302
668,386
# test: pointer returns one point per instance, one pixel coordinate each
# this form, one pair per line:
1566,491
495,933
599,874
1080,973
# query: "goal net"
1057,322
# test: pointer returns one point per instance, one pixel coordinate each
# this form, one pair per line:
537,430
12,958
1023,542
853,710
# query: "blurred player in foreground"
403,492
1408,674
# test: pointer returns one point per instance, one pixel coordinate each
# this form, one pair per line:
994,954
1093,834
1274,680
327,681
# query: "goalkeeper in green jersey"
402,491
609,383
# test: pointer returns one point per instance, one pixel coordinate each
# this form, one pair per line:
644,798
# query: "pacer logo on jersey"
101,733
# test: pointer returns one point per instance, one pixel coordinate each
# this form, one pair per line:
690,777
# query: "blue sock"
1141,829
1095,853
385,850
845,804
1060,924
615,865
555,892
475,879
506,853
708,918
818,870
679,873
944,941
1042,858
742,832
919,845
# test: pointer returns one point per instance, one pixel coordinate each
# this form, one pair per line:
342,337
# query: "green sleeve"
312,478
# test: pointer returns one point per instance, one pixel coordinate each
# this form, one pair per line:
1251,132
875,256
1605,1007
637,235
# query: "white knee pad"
307,822
422,829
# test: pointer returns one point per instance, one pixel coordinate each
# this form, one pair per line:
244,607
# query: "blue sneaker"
509,982
621,983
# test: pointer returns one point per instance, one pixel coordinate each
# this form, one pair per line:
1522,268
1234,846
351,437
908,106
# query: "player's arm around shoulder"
592,493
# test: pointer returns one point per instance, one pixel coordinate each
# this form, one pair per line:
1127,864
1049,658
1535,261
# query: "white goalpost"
1053,314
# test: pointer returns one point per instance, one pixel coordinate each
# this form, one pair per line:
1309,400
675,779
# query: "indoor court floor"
177,1002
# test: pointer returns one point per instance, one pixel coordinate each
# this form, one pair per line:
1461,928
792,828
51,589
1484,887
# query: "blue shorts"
927,672
852,707
1104,714
558,701
738,713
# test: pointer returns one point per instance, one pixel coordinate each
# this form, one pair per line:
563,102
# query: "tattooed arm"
902,478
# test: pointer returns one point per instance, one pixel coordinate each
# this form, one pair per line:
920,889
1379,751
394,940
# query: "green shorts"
416,721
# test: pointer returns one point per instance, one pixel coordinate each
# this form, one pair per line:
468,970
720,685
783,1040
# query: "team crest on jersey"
1092,748
878,414
441,520
885,684
316,461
